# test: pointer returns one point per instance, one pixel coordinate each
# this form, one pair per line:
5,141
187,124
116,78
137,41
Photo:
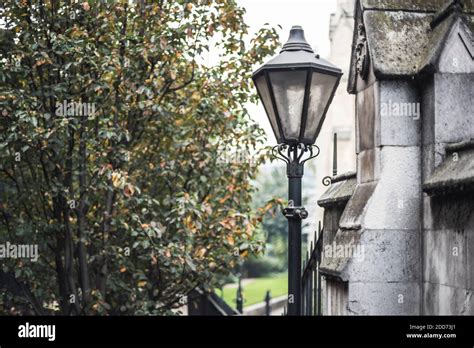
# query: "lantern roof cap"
297,41
297,53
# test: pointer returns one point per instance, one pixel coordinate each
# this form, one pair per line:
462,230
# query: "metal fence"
311,277
208,304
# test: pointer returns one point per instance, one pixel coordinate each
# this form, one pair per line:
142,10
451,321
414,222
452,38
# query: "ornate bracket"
295,156
294,153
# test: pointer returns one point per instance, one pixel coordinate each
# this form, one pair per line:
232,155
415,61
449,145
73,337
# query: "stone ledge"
341,190
453,176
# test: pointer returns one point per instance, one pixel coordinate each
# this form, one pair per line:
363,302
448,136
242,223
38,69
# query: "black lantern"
296,88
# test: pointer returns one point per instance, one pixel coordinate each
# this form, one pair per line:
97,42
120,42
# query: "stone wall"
412,210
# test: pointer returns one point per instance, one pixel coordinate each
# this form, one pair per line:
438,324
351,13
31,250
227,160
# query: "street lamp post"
296,88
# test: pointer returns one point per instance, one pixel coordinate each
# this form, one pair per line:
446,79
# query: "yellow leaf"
201,252
142,283
123,269
268,206
196,96
116,179
230,239
222,200
187,221
249,230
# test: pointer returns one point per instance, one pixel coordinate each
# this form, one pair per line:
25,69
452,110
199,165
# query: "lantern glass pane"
322,86
288,89
262,87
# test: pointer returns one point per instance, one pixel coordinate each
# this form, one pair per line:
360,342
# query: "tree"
112,134
272,183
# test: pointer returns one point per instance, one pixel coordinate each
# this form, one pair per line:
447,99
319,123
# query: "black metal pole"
294,249
295,212
294,215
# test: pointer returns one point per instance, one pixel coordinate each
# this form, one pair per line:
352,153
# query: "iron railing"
311,277
208,303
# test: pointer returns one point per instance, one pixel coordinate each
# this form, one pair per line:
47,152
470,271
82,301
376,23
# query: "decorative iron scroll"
295,153
327,180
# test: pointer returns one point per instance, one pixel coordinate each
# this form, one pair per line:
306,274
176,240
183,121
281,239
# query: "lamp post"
296,88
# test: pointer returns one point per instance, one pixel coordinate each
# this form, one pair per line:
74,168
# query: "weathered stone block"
367,298
454,119
446,300
470,257
445,256
368,165
427,110
396,201
365,114
398,114
386,256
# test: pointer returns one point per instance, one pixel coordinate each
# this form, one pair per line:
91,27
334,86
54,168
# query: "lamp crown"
297,41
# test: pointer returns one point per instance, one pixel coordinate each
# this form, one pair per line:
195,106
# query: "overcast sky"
312,15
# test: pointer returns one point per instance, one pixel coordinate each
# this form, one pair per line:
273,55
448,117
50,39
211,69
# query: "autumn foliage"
134,204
